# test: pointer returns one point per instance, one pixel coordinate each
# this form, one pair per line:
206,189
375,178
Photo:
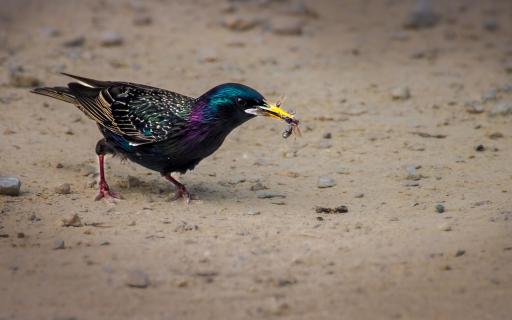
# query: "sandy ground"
231,254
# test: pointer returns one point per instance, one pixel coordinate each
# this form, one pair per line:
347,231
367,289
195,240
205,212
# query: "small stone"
50,32
325,182
59,165
501,109
339,209
460,253
412,184
69,131
359,195
401,93
495,135
74,42
73,221
20,235
422,16
445,227
142,20
286,27
184,226
137,279
253,212
439,208
490,95
19,79
490,25
327,135
111,39
64,188
239,23
10,186
474,107
412,173
480,148
58,244
207,55
258,186
301,9
262,194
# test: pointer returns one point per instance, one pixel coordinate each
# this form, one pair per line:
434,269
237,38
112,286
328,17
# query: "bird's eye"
241,102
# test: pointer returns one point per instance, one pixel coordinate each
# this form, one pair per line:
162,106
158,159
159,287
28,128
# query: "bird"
159,129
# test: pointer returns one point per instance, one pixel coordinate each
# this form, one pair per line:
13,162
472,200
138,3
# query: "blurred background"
406,110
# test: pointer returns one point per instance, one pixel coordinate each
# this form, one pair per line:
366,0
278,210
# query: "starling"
159,129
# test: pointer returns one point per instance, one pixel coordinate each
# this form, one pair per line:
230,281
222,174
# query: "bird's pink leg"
104,191
181,190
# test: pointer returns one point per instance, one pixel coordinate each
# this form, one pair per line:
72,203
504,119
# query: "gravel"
111,39
326,182
401,93
137,279
439,208
64,188
501,109
58,244
10,186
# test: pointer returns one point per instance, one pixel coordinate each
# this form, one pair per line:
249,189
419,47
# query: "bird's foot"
182,193
105,192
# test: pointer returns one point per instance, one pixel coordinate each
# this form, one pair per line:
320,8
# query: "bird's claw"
105,192
182,193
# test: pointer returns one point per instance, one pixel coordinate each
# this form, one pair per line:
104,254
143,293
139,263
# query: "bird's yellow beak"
273,111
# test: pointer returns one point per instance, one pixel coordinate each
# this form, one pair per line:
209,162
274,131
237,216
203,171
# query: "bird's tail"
59,93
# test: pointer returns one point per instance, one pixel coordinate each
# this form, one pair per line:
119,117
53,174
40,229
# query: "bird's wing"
140,113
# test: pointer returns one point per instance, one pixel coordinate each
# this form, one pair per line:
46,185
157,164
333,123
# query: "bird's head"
236,103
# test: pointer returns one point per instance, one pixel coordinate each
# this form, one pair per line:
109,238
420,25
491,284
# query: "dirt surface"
235,253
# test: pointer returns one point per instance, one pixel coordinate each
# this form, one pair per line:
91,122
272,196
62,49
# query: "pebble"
327,135
262,194
474,107
359,195
74,42
50,32
258,186
17,78
339,209
412,173
439,208
142,20
10,186
445,227
239,23
73,221
111,39
501,109
137,279
207,55
480,148
325,182
286,27
301,9
400,93
495,135
422,16
253,212
460,253
64,188
490,95
58,244
412,184
490,25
